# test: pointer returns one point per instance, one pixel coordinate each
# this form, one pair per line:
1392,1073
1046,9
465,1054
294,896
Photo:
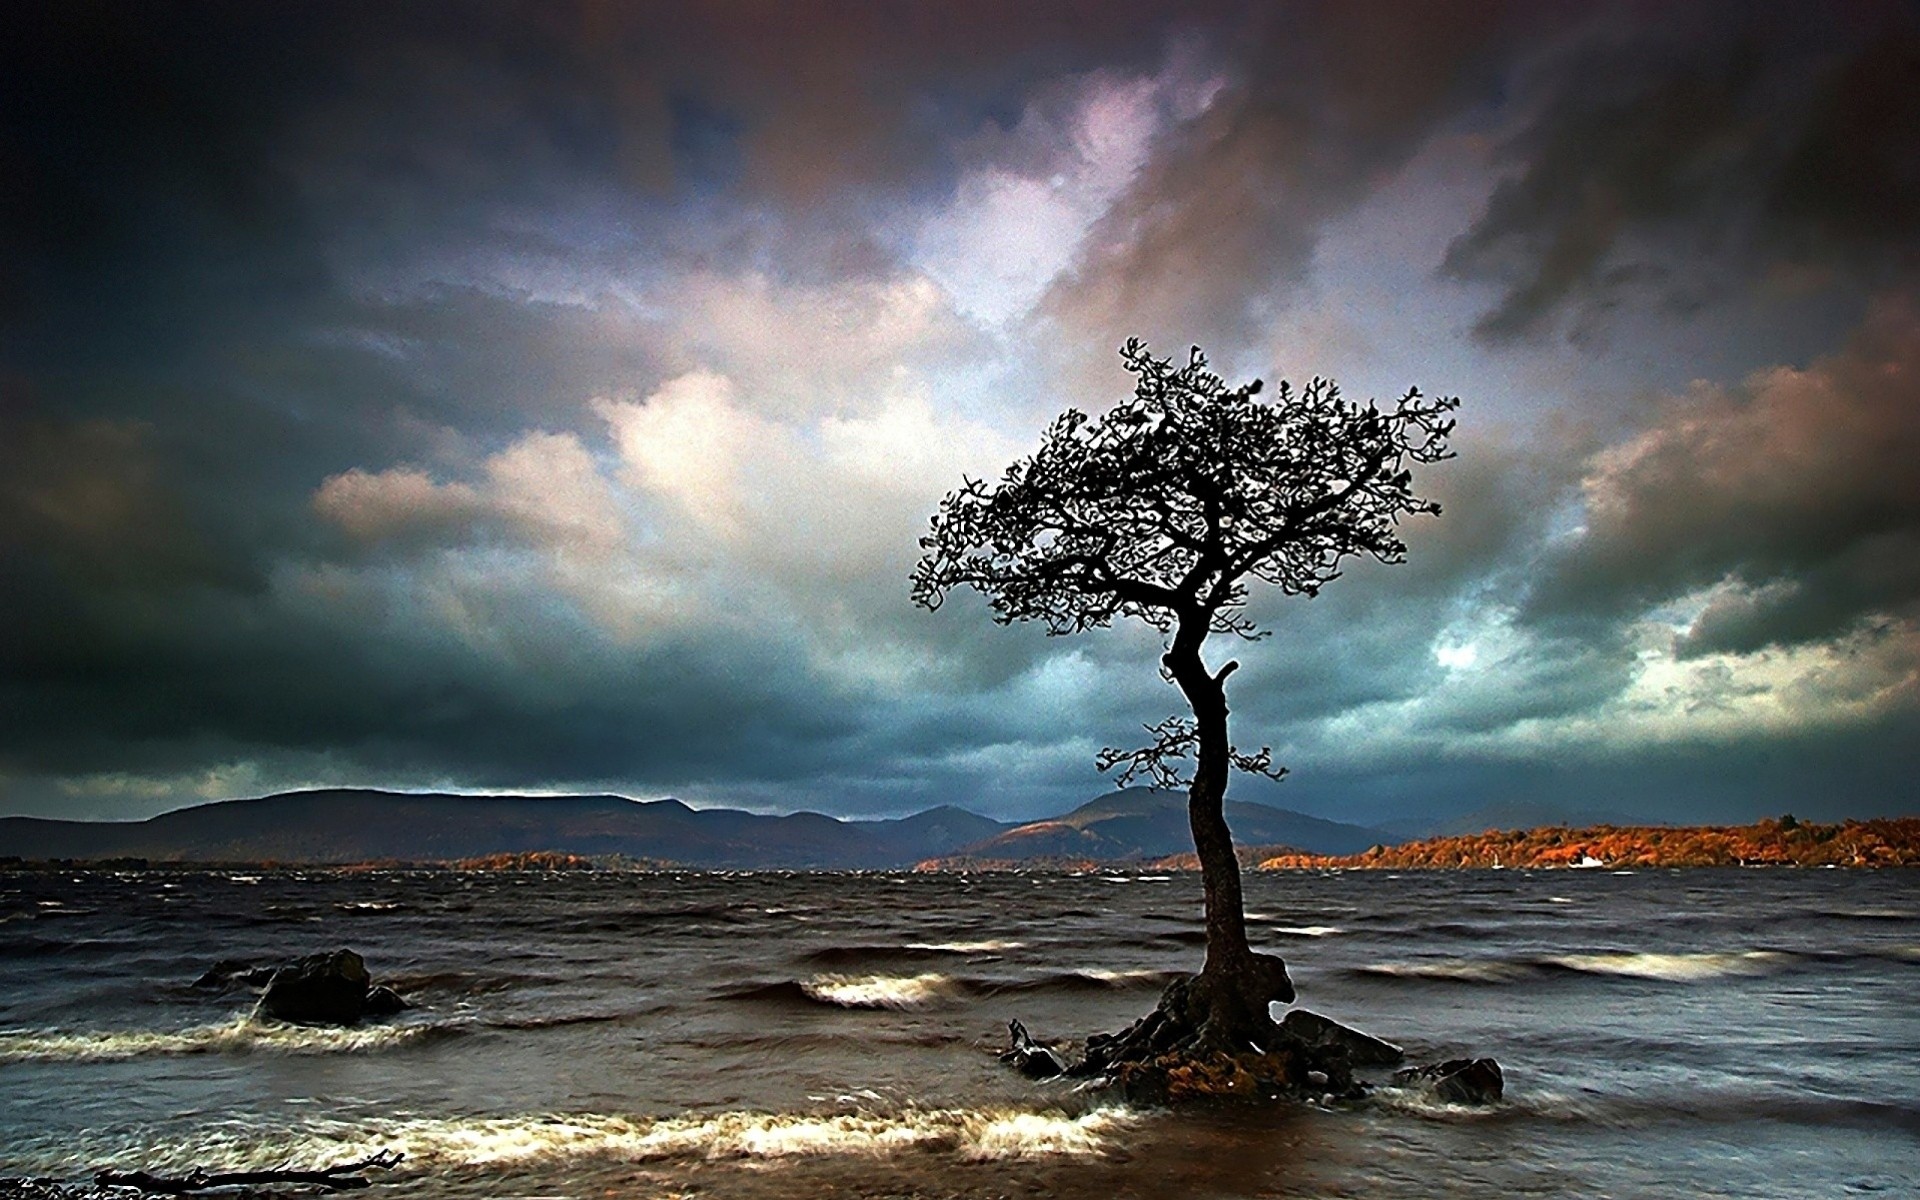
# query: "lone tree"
1167,510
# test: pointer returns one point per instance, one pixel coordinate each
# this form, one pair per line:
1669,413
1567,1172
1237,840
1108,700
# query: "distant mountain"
354,825
1144,823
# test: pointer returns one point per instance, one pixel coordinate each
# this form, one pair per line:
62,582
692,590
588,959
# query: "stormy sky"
549,396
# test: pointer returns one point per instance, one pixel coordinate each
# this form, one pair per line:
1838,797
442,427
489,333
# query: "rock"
320,989
1320,1033
383,1001
1458,1081
1029,1057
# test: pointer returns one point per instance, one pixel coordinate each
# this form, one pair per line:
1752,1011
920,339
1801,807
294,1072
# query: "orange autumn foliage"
1781,842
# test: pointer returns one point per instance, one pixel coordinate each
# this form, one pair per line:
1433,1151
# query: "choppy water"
1664,1034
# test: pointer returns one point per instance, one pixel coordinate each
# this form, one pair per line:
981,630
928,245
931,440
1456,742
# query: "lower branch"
344,1177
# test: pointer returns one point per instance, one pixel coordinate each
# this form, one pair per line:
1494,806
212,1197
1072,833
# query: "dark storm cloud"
284,289
1796,487
1721,147
1318,104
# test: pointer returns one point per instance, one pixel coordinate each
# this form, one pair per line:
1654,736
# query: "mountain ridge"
339,826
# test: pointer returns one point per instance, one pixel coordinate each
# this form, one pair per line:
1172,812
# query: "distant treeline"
1783,842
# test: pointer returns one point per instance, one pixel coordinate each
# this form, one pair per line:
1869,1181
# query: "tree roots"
1211,1038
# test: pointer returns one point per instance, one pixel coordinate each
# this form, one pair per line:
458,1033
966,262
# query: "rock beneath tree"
1319,1033
1457,1081
320,989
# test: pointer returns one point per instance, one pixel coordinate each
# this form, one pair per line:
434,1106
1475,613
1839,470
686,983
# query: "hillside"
351,825
1140,824
1782,842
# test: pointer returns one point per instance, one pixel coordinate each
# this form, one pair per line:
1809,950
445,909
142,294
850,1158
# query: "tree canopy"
1165,507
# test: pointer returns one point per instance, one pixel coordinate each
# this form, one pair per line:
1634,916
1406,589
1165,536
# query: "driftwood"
344,1177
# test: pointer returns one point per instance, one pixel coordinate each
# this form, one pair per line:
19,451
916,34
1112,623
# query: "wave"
860,991
990,946
1457,970
931,988
882,991
1868,914
829,955
242,1035
437,1144
1676,967
562,1020
1704,1107
1183,937
1091,979
1667,968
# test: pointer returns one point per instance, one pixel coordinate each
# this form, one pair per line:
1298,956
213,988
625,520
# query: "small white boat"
1587,862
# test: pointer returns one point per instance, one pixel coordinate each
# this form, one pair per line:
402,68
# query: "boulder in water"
320,989
1029,1057
1318,1033
232,972
1458,1081
383,1001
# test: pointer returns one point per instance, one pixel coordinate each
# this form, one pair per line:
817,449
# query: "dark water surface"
1664,1034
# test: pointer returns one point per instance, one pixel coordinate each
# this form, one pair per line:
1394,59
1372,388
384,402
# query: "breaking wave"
882,991
437,1144
1670,968
1676,967
860,991
242,1035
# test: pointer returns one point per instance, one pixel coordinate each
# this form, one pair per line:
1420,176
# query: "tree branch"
344,1177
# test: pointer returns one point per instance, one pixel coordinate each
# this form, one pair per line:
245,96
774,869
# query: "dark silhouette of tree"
1167,510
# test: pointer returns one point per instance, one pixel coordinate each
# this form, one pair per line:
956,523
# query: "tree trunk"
1235,983
1212,1022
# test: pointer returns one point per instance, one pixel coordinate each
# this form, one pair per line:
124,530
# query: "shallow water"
1723,1033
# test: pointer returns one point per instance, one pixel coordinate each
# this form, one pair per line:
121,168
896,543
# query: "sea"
1740,1033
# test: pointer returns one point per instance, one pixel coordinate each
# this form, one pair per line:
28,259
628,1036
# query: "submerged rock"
320,989
1457,1081
1319,1033
383,1001
232,972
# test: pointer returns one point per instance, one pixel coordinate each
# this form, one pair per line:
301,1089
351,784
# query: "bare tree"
1167,510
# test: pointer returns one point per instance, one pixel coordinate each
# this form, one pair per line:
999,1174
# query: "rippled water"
1738,1033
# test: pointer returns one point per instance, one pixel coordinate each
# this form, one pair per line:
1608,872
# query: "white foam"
1116,978
1469,970
1679,968
1312,931
243,1035
880,991
986,947
429,1144
1420,1102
